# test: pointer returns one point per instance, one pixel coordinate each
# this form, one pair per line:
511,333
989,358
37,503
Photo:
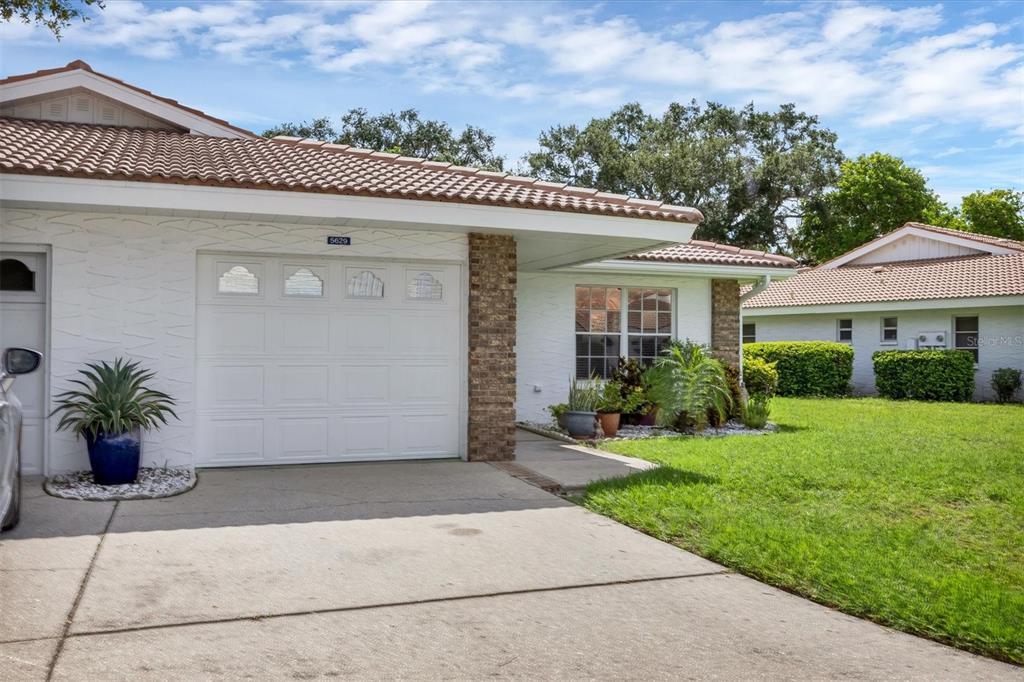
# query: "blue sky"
941,85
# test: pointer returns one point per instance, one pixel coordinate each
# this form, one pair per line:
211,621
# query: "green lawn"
910,514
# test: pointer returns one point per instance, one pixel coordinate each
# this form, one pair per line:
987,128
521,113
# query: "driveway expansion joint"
78,596
255,618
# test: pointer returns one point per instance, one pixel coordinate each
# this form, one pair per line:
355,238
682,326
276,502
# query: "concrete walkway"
568,468
414,570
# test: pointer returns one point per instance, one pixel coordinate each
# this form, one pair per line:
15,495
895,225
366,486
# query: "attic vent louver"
82,104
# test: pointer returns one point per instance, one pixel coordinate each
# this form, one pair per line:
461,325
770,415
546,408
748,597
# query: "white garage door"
303,360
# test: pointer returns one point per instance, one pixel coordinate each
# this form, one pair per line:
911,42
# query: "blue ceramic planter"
114,459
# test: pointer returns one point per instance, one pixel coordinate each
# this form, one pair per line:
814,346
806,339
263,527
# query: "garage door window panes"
598,330
425,286
238,279
365,284
16,276
612,322
304,282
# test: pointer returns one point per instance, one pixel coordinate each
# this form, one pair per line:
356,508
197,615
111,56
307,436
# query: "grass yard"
910,514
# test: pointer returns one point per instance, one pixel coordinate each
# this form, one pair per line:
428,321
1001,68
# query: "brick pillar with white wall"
725,321
492,348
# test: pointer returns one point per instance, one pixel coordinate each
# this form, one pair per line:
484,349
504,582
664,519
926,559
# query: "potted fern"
110,409
689,384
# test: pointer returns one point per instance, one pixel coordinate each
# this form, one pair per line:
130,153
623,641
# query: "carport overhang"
545,239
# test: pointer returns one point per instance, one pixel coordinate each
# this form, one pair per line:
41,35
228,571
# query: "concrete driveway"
403,570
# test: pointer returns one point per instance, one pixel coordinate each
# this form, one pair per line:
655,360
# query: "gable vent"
108,115
56,110
81,104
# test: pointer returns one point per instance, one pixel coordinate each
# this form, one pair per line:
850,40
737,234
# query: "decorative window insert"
304,282
612,322
749,332
424,285
844,331
649,322
598,330
16,276
366,283
965,335
890,330
238,279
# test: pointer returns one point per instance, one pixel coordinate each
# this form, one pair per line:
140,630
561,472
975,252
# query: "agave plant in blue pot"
110,408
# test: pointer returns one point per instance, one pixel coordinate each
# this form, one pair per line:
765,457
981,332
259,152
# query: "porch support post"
492,347
725,321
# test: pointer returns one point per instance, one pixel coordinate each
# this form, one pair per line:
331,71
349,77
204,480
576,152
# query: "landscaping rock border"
732,428
152,483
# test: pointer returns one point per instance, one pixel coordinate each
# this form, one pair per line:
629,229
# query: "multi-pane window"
613,322
16,276
598,330
749,332
649,322
889,330
844,331
965,335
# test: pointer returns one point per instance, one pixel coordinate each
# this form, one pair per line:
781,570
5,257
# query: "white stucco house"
310,302
919,286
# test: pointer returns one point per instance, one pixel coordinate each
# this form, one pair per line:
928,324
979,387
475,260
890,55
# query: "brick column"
492,347
725,321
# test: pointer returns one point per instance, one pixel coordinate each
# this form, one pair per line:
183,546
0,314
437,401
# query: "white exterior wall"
546,335
1001,335
126,285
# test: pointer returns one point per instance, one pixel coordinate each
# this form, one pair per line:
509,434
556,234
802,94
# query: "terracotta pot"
609,423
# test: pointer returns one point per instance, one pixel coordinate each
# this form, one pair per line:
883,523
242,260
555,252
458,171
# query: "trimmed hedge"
807,368
924,374
760,377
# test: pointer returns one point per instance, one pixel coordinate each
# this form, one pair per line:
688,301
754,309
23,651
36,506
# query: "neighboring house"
919,286
310,302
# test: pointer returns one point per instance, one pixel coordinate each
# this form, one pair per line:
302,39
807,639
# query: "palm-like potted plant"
687,383
110,408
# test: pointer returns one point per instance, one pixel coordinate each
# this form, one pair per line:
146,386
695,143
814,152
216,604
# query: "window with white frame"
890,330
598,330
844,331
613,322
749,332
965,335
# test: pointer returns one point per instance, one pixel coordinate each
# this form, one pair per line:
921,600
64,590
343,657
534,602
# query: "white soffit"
546,239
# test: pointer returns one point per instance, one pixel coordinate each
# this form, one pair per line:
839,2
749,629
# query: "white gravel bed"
731,428
152,483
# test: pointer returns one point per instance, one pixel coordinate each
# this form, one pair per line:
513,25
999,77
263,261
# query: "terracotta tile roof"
78,64
962,277
289,164
710,253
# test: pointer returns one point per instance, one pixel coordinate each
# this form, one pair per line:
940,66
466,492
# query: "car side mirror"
21,360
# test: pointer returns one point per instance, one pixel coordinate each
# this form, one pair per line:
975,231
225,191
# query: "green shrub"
688,385
924,374
806,368
756,411
760,377
1006,382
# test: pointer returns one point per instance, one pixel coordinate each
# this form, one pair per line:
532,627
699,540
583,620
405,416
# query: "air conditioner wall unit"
931,339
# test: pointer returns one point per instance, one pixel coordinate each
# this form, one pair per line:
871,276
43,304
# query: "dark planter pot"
581,424
114,459
649,419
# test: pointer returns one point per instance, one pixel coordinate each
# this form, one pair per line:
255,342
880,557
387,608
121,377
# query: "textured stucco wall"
546,346
1001,334
126,285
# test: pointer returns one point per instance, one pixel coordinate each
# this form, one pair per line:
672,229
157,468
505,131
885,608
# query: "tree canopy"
402,132
747,171
875,194
999,213
55,15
